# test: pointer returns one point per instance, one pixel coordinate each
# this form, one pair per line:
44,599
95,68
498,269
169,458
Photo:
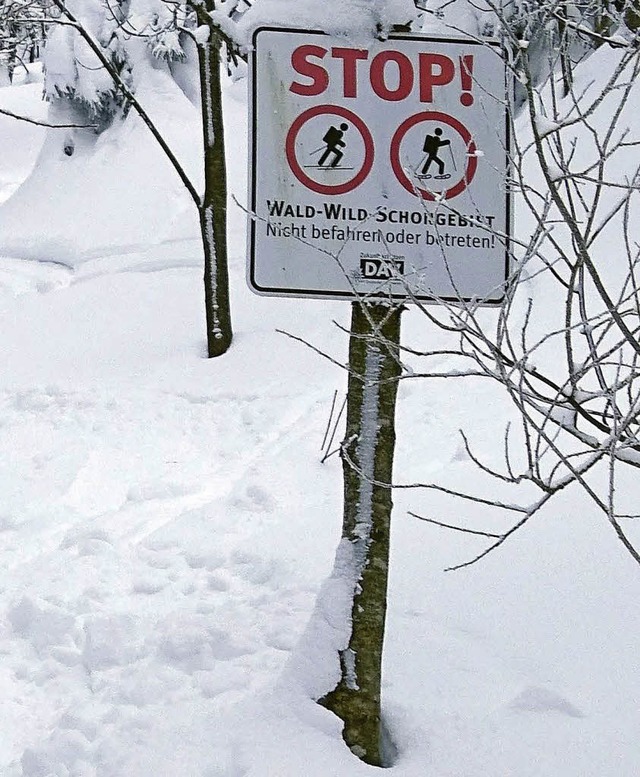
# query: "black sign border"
273,291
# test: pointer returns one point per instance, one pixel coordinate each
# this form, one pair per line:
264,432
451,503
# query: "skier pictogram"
344,159
432,145
334,142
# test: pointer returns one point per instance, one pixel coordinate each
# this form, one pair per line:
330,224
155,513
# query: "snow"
359,20
545,126
167,527
202,34
47,233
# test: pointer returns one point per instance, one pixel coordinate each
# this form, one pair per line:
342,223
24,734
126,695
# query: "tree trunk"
367,456
213,210
10,54
566,66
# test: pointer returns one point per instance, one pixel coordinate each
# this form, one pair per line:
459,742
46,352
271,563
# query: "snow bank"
117,193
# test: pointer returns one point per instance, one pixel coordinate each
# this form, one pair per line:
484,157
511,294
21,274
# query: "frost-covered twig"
40,123
574,383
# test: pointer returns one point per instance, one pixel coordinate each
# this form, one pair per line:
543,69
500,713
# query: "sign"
380,170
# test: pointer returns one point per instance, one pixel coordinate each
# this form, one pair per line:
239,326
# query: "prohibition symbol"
329,149
428,153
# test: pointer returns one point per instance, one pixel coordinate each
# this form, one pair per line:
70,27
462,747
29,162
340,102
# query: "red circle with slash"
310,183
441,118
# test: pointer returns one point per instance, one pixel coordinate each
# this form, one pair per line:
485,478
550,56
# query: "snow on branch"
564,345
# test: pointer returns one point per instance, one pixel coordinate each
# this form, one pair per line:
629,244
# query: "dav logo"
377,268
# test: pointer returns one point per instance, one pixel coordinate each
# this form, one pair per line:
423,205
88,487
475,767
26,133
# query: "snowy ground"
166,522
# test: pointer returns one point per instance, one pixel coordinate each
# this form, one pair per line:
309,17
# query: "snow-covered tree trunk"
367,456
105,32
213,209
11,53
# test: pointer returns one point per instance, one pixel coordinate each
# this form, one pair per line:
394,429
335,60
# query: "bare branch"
40,123
455,528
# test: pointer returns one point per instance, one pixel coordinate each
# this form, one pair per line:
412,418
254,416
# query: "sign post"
378,171
377,175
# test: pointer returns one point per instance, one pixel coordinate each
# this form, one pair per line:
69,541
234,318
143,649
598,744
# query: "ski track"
116,619
101,509
209,619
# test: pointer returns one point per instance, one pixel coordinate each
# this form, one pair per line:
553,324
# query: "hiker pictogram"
334,142
428,149
432,145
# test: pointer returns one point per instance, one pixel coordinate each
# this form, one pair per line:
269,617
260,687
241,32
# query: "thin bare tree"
190,18
564,346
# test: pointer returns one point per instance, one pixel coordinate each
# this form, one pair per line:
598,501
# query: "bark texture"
367,456
213,208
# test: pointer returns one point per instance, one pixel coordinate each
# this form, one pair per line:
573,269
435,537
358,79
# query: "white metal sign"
378,170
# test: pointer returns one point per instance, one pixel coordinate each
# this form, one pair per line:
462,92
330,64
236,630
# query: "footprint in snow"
536,699
253,498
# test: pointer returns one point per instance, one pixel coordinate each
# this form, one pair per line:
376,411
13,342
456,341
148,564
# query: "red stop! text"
392,74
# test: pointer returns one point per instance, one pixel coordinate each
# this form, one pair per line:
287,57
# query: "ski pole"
453,160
